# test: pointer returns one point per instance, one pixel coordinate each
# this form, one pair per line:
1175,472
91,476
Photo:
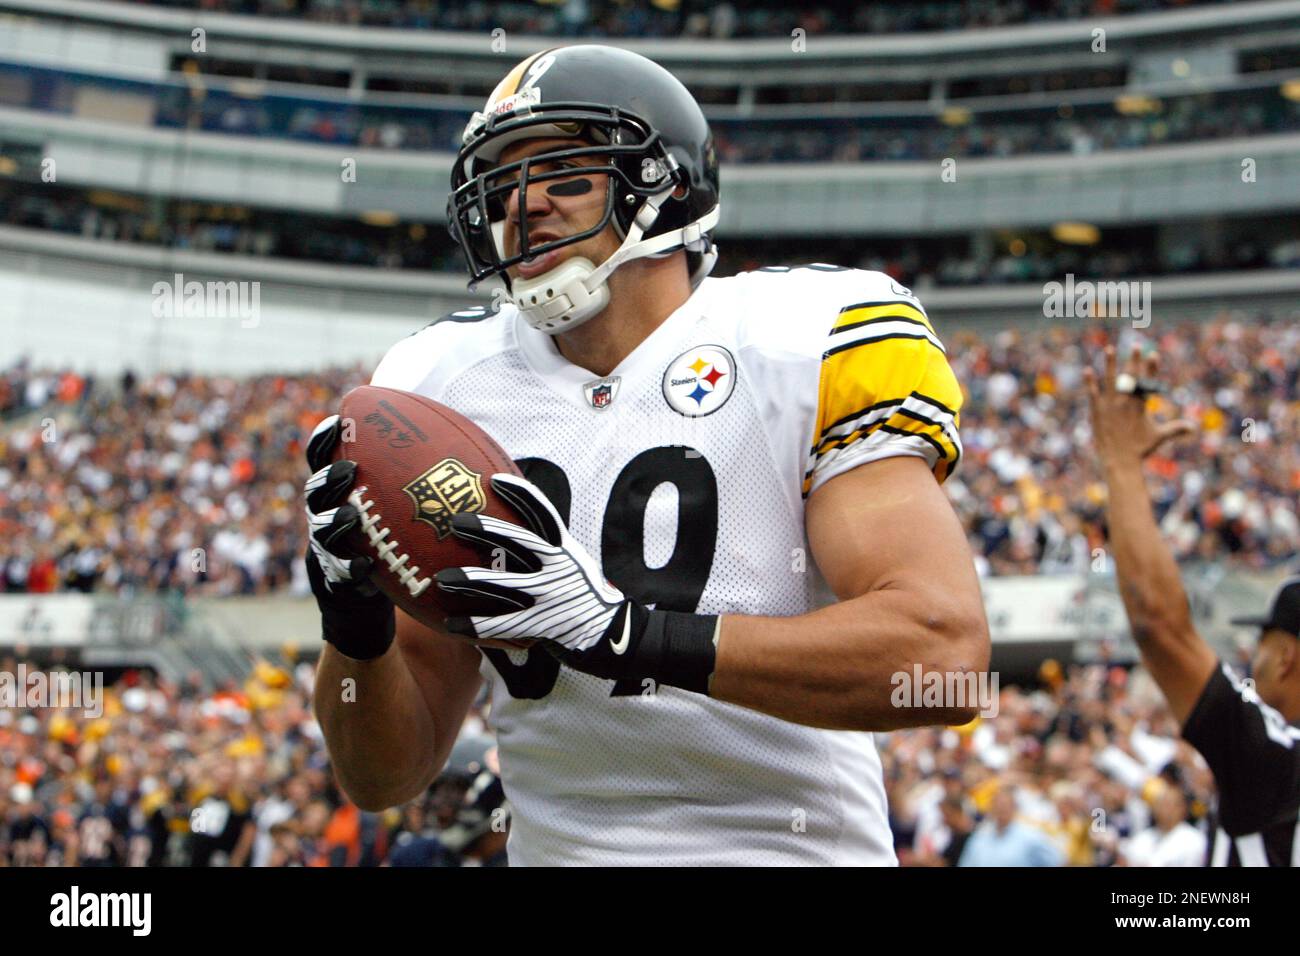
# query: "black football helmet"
653,141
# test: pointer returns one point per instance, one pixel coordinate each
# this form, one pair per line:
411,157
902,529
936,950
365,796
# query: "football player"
732,535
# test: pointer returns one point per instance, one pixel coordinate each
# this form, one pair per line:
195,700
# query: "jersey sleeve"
1253,752
885,389
425,360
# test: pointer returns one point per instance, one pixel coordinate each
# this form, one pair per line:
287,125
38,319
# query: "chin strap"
575,290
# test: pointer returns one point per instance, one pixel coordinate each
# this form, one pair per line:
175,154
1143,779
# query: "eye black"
569,187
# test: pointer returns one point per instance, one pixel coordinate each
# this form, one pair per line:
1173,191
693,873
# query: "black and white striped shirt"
1255,756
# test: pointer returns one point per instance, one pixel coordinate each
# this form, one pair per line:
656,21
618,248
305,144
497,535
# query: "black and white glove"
356,617
543,586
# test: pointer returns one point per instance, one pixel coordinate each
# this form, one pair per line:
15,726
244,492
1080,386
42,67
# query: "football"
418,463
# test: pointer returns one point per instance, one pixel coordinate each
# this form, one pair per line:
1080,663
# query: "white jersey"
685,474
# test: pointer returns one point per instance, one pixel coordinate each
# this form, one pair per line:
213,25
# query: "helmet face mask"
651,143
634,160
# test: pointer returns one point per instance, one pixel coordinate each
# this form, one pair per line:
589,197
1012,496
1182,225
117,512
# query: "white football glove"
542,584
356,617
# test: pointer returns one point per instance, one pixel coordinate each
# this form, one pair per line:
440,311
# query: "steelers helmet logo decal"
700,380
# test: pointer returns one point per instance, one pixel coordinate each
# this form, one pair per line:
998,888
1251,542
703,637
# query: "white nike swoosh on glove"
620,646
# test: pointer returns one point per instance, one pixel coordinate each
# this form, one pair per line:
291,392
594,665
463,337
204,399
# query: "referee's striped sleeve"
885,389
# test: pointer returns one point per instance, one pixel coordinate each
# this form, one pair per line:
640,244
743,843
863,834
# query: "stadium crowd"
926,133
171,483
958,133
176,775
1030,505
924,265
1085,768
673,18
192,484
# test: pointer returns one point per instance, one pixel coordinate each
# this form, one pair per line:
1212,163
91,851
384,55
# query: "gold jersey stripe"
903,425
869,337
880,370
858,315
928,413
875,373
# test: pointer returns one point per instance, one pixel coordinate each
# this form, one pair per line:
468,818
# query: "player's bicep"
883,439
889,524
886,539
446,670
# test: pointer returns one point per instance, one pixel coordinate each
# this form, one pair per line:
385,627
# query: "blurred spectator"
29,833
352,837
1003,841
478,832
102,827
416,841
1170,840
221,824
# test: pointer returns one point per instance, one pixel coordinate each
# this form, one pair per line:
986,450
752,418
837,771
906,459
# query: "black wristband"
668,647
677,649
360,626
360,637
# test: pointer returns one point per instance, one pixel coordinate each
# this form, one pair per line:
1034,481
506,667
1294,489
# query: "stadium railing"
1065,121
311,315
160,632
800,199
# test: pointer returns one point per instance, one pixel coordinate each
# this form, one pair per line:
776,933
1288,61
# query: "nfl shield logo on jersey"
700,380
601,392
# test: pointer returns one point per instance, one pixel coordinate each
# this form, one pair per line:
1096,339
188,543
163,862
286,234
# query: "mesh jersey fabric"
698,513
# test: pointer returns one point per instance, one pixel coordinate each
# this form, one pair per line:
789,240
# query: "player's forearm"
377,727
837,667
1148,578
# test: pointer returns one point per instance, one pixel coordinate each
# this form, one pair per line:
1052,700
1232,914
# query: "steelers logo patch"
700,380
